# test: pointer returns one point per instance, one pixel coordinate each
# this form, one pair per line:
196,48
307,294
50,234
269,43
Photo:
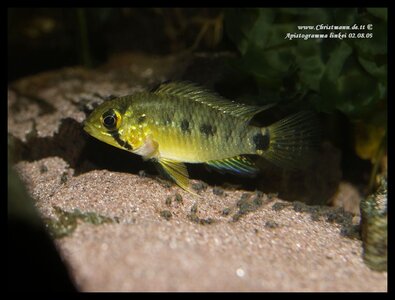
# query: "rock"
348,197
315,184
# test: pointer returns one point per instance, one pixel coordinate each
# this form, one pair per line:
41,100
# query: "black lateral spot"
185,126
228,135
261,141
120,142
208,130
141,119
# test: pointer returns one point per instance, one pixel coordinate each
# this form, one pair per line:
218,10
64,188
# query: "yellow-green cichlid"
184,123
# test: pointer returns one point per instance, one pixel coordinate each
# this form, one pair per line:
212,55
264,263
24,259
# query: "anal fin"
239,165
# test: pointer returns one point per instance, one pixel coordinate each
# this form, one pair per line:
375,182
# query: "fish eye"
111,119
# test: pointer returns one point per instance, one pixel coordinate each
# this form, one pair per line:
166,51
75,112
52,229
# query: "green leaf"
374,68
238,25
308,57
349,75
344,16
379,12
336,61
375,46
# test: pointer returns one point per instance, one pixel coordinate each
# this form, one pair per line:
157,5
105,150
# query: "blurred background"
89,36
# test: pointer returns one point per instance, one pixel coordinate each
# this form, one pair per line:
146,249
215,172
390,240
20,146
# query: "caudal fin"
292,140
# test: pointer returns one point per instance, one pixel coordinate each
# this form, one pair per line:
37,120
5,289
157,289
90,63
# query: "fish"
181,122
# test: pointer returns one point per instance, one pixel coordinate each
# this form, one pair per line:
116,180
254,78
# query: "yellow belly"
191,148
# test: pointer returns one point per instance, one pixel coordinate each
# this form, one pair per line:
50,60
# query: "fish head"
106,123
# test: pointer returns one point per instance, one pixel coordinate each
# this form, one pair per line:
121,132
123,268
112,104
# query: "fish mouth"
94,131
88,128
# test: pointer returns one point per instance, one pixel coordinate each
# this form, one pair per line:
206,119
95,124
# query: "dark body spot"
228,135
261,141
141,119
185,126
208,130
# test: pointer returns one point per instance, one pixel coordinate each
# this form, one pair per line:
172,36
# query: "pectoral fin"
177,171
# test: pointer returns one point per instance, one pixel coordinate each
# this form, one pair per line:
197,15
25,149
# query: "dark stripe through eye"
120,142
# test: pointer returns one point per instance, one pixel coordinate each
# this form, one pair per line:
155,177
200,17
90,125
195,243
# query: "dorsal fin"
200,94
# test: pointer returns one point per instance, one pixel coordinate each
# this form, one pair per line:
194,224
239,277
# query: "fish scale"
192,145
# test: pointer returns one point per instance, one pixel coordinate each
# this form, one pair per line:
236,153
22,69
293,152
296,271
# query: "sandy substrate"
272,248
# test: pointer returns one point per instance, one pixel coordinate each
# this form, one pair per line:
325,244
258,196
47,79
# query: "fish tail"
289,142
